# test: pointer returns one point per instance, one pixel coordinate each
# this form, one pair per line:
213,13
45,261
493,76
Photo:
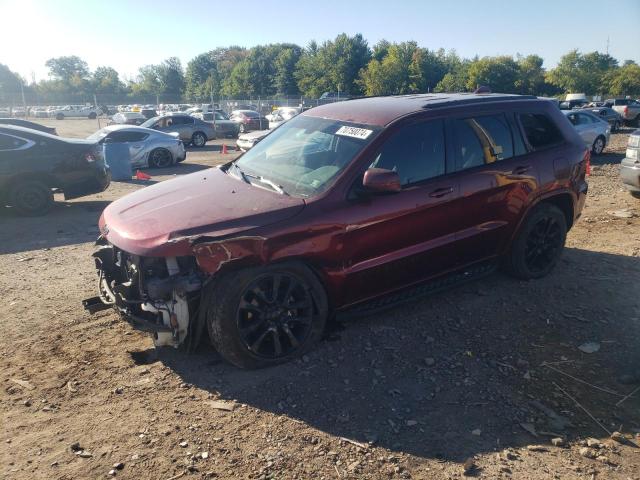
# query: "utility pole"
607,44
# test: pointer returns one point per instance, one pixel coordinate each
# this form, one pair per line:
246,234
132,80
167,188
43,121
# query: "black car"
34,165
27,124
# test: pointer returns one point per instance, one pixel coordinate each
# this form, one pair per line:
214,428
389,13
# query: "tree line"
346,64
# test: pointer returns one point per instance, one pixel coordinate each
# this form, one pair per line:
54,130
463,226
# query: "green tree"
67,69
498,73
624,80
285,63
530,79
106,80
202,77
333,66
578,73
170,76
395,73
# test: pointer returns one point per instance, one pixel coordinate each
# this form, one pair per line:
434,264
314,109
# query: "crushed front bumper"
154,294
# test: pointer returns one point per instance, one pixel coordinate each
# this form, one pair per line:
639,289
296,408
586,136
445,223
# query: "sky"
126,34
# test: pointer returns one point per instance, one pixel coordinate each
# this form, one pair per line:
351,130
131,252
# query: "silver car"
248,140
224,127
192,131
594,131
147,147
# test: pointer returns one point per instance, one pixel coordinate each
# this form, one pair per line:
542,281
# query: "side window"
539,130
573,118
482,140
584,119
7,142
416,152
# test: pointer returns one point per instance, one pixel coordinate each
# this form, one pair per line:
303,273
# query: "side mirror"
381,180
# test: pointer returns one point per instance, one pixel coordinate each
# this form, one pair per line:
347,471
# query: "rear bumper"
630,174
98,183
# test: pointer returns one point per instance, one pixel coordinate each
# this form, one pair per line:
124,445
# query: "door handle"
521,170
441,192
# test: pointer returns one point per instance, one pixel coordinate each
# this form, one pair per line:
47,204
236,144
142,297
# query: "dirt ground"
481,377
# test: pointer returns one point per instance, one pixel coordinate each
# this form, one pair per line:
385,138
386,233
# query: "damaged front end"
154,294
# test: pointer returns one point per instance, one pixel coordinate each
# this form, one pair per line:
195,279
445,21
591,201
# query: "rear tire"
538,244
60,116
242,128
160,158
616,126
598,145
635,194
31,198
199,140
92,116
263,316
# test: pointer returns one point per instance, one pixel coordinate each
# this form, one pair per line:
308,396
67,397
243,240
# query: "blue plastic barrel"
117,157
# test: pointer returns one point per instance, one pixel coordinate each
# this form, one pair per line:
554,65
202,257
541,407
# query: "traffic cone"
224,149
142,176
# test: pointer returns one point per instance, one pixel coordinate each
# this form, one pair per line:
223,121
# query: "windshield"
149,123
304,155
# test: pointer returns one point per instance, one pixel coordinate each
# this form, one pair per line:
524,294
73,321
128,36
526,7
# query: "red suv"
362,202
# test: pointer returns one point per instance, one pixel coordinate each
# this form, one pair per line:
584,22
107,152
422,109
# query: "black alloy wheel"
160,158
543,244
275,315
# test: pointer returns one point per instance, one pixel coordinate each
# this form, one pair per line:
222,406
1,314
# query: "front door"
397,239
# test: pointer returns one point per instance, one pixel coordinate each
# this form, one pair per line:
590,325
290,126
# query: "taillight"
587,160
626,110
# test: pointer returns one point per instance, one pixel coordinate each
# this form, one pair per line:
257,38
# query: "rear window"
539,130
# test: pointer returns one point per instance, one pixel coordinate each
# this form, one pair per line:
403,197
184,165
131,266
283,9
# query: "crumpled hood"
162,219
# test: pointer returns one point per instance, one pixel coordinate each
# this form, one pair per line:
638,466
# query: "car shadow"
607,158
68,223
462,372
229,142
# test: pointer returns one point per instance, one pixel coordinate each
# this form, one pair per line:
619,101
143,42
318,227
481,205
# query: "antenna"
607,44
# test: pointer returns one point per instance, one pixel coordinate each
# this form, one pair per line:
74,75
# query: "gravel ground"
491,377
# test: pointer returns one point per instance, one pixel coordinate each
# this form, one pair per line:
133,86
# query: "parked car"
192,131
39,112
249,120
334,96
609,115
223,126
593,130
33,164
629,109
27,124
381,197
128,118
630,165
148,113
281,115
76,111
19,112
248,140
572,104
147,147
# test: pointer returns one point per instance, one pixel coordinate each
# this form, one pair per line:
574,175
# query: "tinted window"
182,120
584,119
416,152
539,130
482,140
8,142
220,116
125,137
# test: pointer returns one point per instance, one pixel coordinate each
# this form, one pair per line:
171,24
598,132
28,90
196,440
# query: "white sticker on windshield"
354,132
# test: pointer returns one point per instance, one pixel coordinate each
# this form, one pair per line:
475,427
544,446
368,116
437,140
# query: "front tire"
598,145
160,158
92,116
538,244
616,126
199,140
60,116
635,194
263,316
31,198
242,128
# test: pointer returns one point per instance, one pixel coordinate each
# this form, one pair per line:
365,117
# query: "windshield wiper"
243,175
272,184
261,179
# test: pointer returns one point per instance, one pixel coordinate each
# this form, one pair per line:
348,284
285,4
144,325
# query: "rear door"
496,176
397,239
136,143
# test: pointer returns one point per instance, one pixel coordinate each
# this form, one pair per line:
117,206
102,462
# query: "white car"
77,111
281,115
248,140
